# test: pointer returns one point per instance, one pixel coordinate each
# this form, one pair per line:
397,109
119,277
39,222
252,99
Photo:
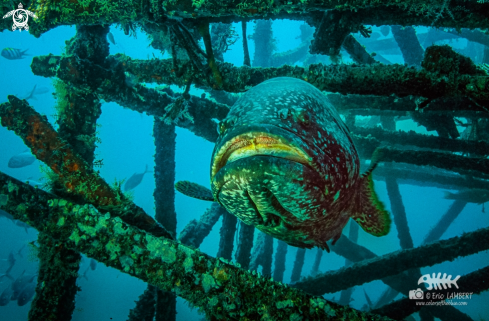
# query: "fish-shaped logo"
436,281
285,163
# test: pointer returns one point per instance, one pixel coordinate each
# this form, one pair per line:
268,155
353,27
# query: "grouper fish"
284,162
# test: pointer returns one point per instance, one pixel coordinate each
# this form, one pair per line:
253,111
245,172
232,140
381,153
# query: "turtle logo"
20,17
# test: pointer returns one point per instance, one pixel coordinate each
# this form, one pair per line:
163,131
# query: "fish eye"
302,116
220,127
224,125
284,113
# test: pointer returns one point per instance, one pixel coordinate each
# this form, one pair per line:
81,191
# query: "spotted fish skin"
285,163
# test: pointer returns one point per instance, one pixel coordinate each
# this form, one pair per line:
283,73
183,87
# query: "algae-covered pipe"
446,161
218,288
375,79
394,263
438,13
74,174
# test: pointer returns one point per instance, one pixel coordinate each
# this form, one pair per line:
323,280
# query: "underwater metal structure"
83,214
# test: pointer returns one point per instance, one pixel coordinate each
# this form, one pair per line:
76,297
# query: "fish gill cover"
377,100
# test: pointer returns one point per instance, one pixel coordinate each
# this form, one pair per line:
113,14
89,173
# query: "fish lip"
266,134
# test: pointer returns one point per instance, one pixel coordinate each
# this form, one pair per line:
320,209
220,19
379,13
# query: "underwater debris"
280,256
245,244
358,52
345,296
432,177
408,42
331,32
164,197
375,79
227,232
177,111
397,262
456,163
298,264
399,213
223,36
211,61
412,138
130,80
445,221
145,305
74,174
160,261
195,232
262,254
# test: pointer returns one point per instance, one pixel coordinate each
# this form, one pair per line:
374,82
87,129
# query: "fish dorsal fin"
194,190
368,211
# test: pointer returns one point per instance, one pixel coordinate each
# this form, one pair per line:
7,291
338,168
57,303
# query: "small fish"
19,252
135,180
35,91
110,36
33,183
476,195
42,90
11,261
385,30
369,302
285,163
23,225
6,295
93,264
6,215
131,80
21,160
85,274
20,283
374,35
436,281
6,275
26,295
30,95
13,54
16,222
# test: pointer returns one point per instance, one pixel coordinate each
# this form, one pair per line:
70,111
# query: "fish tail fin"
368,211
146,170
7,275
31,95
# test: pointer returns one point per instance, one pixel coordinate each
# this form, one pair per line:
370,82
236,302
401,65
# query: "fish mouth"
258,143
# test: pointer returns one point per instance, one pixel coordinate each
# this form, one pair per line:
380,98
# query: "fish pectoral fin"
194,190
368,210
